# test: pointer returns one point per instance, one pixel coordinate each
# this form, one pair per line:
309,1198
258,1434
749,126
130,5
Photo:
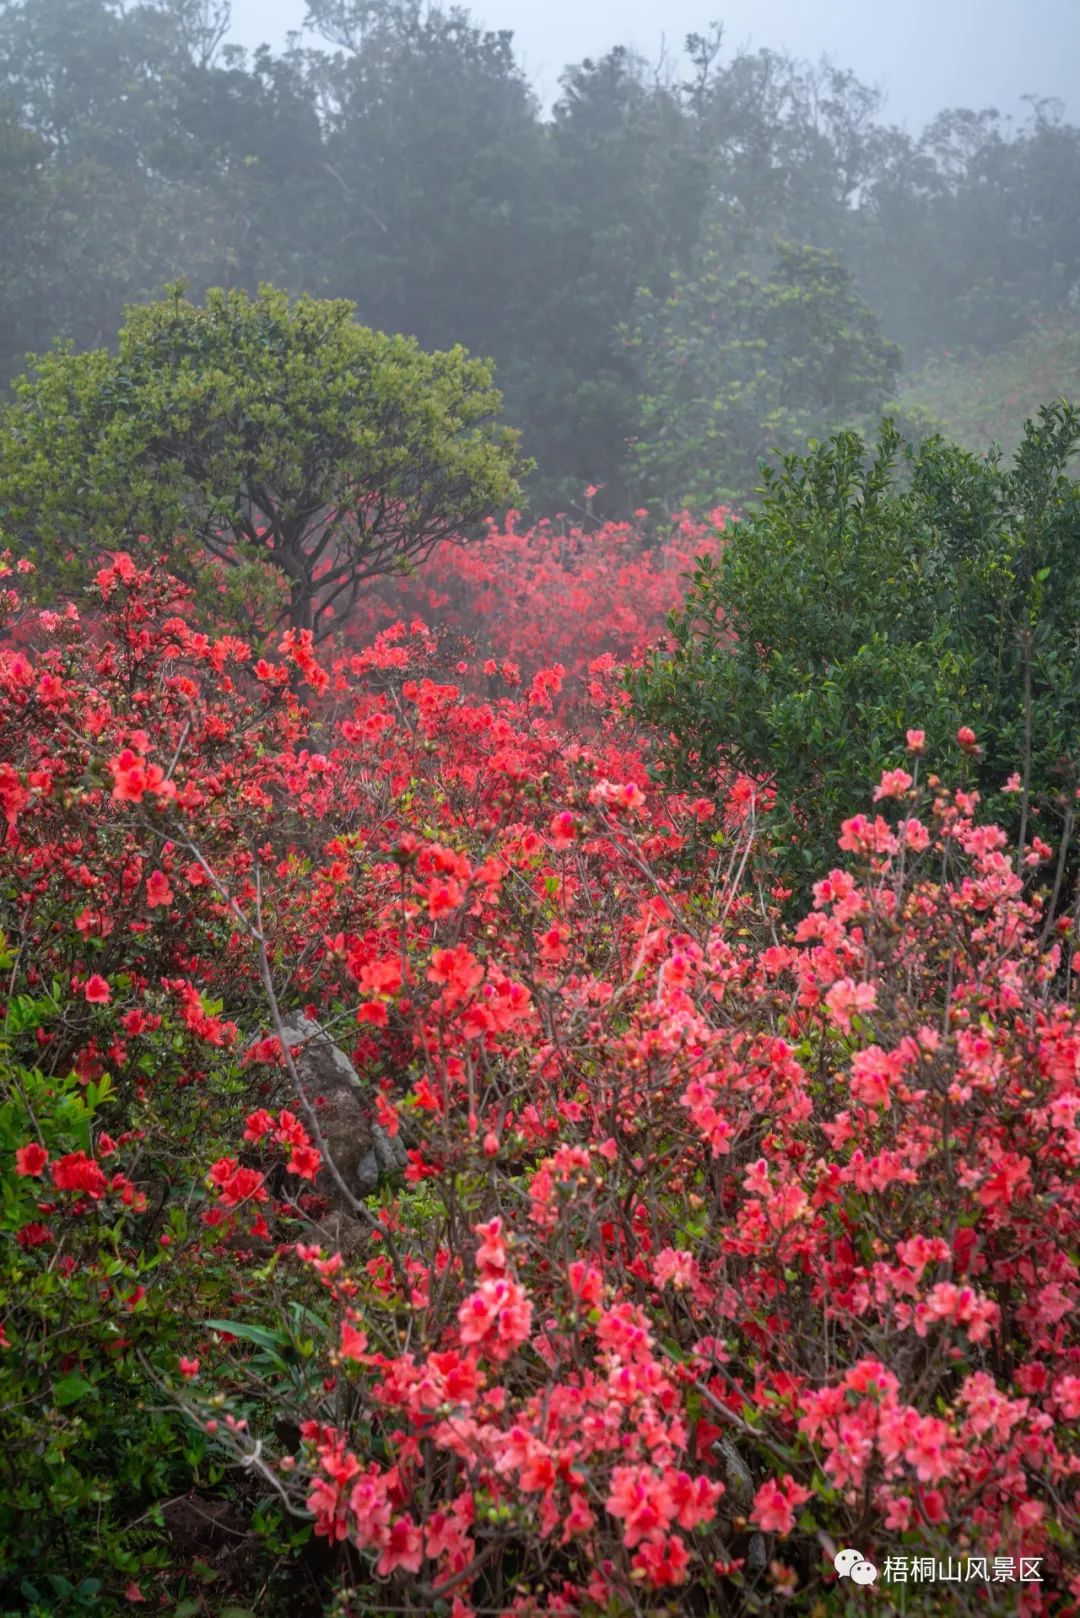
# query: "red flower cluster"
77,1172
287,1130
561,605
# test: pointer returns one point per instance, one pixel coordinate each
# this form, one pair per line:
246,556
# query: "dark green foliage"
927,589
157,155
629,182
967,233
255,431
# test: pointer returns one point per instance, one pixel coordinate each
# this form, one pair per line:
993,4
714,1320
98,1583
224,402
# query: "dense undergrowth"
722,1243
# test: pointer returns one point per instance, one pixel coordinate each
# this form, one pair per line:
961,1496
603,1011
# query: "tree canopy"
256,430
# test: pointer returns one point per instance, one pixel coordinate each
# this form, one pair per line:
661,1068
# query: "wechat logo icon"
854,1566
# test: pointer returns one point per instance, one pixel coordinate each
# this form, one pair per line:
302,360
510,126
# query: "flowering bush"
773,1238
717,1246
548,595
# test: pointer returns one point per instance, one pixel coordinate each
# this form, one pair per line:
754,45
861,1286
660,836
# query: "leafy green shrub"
107,1278
85,1440
926,590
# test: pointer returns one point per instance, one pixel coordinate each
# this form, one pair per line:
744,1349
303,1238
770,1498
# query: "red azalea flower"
31,1159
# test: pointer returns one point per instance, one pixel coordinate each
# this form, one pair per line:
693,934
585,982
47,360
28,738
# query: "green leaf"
71,1389
261,1336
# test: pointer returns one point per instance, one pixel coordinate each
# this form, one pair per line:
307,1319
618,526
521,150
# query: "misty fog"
923,56
565,215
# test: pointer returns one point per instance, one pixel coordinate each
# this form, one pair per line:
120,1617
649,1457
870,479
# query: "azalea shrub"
559,593
768,1249
120,960
718,1243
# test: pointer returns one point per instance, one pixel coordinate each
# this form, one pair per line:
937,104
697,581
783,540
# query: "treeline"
673,269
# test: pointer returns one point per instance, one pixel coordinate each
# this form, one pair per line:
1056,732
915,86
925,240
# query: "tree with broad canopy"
255,431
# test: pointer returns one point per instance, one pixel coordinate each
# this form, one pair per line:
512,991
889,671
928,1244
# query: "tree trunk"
301,605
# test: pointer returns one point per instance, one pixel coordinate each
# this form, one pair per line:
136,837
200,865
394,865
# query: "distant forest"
675,268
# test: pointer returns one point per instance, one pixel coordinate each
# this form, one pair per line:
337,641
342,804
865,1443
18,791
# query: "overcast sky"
925,54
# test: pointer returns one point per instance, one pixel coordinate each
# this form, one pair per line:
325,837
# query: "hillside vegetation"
984,399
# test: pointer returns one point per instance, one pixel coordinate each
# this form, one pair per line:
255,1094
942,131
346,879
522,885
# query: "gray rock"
363,1152
386,1158
740,1483
740,1489
755,1554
